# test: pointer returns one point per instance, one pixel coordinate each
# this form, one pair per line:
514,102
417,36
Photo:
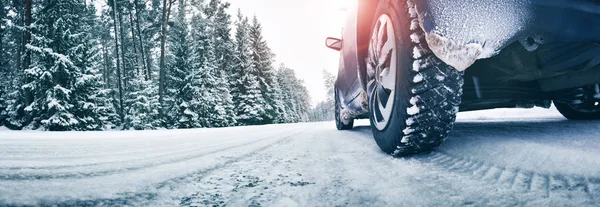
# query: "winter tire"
586,105
339,124
413,96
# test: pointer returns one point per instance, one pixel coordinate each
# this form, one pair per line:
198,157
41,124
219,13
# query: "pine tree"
11,23
262,61
220,55
184,85
4,64
142,113
296,96
93,103
251,107
249,101
47,98
325,110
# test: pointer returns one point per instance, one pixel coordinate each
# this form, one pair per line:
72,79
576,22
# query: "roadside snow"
510,114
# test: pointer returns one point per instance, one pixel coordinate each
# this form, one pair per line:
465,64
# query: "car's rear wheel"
341,123
584,104
413,96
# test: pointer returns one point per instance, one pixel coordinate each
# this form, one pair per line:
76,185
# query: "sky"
296,30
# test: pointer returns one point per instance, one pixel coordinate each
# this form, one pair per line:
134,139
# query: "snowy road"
525,158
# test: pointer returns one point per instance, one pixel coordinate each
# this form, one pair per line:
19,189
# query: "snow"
11,13
62,59
410,121
418,78
459,56
462,31
504,157
417,53
415,38
413,110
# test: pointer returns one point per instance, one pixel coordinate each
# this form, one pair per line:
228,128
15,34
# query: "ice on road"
498,158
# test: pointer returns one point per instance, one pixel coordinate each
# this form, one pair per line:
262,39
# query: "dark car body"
514,53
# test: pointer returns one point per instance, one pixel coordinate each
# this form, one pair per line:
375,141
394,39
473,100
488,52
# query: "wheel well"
364,19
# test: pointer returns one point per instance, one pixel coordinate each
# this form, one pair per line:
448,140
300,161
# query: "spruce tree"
47,99
220,55
93,103
184,85
4,64
62,87
142,113
262,60
295,95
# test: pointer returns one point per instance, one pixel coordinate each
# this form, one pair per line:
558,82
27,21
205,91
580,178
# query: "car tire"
339,124
426,93
576,112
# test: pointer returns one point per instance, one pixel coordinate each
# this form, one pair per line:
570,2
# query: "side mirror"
333,43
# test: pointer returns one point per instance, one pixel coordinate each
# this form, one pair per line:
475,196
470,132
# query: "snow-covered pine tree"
203,66
241,62
262,60
251,107
11,23
220,43
183,82
249,101
93,103
296,96
286,78
142,113
325,110
47,99
329,103
4,63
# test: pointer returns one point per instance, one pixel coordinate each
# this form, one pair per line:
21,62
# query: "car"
411,65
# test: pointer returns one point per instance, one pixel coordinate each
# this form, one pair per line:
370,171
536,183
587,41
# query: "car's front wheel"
413,96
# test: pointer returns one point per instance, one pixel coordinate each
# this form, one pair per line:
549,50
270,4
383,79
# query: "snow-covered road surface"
495,158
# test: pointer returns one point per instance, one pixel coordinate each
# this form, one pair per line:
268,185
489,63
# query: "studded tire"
427,91
572,112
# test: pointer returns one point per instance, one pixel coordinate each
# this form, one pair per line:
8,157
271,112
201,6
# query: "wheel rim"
587,106
381,71
587,101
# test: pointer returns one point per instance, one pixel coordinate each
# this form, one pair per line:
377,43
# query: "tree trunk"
142,45
162,70
126,71
135,53
119,78
27,37
106,73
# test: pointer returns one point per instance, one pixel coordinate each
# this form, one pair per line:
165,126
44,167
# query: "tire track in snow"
316,174
154,191
71,175
520,180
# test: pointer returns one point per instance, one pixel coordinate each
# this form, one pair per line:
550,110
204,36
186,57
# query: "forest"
141,64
